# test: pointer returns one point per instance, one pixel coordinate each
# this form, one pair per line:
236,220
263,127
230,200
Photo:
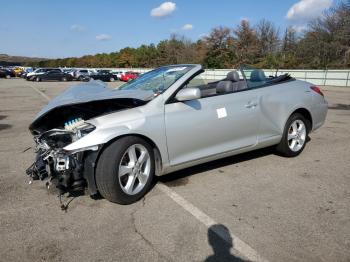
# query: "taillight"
317,90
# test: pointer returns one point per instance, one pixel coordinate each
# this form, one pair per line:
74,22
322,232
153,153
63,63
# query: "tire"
113,184
111,79
37,79
80,78
8,76
294,136
64,79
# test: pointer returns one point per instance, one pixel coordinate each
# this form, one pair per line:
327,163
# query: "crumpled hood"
92,91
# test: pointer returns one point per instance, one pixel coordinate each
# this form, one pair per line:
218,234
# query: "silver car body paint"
91,91
192,132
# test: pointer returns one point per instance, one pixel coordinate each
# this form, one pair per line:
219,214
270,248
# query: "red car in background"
128,76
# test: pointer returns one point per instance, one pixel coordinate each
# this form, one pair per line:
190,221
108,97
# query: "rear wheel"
8,76
37,79
111,79
294,136
125,170
64,79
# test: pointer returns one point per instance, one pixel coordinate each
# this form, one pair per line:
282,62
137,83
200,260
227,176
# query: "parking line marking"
243,248
40,93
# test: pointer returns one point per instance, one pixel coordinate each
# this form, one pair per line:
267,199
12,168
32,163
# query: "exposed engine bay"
53,163
70,172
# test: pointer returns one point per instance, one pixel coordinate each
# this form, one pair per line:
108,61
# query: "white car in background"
83,74
119,74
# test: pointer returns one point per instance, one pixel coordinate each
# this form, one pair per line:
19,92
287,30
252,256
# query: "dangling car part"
115,141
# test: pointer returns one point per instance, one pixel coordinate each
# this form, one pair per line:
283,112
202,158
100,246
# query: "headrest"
232,76
257,75
224,87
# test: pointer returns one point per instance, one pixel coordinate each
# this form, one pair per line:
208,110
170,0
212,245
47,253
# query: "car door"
45,76
57,75
212,125
51,75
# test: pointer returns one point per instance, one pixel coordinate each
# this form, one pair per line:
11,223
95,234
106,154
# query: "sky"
66,28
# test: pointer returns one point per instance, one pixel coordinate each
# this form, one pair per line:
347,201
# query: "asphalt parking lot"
264,205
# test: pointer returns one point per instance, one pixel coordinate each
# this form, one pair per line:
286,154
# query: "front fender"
110,126
136,121
97,137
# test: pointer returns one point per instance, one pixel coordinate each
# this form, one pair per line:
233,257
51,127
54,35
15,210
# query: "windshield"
157,80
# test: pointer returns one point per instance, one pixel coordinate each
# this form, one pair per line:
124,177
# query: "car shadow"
180,178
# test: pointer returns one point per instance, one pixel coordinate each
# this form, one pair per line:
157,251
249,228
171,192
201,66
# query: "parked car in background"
32,75
118,74
18,71
54,75
72,72
116,141
6,73
67,70
104,75
83,74
26,71
128,76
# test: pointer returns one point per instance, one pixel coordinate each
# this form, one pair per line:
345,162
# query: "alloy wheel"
296,135
134,169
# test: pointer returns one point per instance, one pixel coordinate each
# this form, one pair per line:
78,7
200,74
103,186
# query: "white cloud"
203,35
77,28
299,28
103,37
187,27
164,9
306,10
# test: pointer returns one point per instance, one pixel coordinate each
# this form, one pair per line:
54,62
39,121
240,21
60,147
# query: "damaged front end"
67,119
67,171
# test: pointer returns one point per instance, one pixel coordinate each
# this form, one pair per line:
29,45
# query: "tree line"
324,43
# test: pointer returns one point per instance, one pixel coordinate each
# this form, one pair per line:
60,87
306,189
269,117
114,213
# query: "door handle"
251,104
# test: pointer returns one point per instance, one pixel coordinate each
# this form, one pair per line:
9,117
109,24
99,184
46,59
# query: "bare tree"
268,40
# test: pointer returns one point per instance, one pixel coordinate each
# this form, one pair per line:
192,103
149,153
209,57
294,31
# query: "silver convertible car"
114,141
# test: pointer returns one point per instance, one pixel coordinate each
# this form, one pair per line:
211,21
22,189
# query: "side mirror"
187,94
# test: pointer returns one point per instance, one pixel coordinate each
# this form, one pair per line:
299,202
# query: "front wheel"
37,79
294,136
125,170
